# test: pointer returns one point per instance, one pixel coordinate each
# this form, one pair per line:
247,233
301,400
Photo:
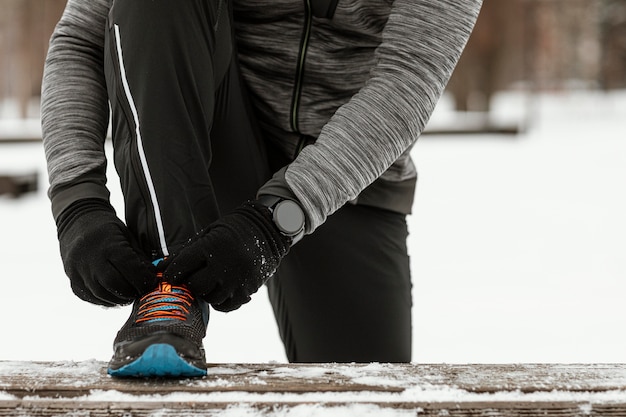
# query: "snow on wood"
83,388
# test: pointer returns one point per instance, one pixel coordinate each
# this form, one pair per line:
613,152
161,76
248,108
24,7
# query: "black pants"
187,148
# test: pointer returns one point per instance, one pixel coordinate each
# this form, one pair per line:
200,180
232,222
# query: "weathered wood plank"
83,388
16,185
128,409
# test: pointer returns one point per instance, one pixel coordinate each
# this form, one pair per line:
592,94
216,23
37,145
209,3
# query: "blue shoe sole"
158,360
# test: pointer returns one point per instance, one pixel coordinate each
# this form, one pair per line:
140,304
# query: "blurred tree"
613,32
546,44
494,56
25,29
568,45
543,43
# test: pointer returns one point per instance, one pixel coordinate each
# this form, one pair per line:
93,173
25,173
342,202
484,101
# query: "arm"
422,42
74,109
98,251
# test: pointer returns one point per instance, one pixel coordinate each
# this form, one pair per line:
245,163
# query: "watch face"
289,217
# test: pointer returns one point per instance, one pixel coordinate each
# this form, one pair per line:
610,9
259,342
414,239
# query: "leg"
239,166
343,294
168,67
180,128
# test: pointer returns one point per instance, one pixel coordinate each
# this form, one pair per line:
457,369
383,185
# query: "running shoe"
163,336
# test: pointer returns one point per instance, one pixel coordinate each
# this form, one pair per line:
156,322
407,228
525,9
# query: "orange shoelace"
167,302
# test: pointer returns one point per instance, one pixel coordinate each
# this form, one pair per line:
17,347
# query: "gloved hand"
229,261
100,257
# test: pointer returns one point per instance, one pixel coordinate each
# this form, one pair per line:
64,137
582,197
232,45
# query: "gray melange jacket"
364,83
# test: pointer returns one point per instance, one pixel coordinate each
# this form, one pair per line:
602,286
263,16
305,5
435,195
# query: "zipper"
136,163
304,44
133,157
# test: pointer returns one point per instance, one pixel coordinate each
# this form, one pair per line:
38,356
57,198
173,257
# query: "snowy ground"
518,249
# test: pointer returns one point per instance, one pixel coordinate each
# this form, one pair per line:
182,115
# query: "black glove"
229,261
103,265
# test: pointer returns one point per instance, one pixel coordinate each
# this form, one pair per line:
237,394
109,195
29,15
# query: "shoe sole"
159,360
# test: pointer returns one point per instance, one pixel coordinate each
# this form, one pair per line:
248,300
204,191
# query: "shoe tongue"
165,287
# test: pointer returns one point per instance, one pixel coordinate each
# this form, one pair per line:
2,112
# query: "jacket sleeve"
422,42
74,109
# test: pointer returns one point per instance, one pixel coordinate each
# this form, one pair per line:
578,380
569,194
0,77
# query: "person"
253,140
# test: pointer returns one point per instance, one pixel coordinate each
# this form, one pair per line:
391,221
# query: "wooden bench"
84,389
17,185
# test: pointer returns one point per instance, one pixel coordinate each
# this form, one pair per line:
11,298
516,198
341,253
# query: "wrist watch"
287,215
